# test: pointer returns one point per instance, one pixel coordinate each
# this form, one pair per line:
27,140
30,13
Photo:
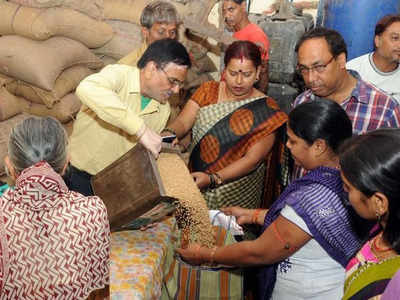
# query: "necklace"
377,248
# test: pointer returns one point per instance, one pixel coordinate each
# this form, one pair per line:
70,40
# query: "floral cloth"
54,242
136,260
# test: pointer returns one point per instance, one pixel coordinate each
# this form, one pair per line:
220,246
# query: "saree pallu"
222,134
370,280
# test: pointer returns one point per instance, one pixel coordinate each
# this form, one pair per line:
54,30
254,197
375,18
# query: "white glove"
150,140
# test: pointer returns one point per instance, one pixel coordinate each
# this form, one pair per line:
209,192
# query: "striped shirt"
368,108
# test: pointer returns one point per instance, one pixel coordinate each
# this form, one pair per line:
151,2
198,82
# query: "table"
136,261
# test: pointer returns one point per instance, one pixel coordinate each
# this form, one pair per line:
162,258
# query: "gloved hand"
150,140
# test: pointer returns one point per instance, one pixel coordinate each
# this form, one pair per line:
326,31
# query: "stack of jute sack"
44,54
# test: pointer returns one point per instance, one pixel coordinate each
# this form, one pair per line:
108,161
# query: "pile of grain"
192,212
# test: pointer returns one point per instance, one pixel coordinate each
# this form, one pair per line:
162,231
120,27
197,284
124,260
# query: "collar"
371,61
359,93
39,187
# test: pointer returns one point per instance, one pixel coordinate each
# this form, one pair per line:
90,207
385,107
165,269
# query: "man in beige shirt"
158,20
124,105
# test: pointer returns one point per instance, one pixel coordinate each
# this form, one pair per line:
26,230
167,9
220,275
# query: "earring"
378,216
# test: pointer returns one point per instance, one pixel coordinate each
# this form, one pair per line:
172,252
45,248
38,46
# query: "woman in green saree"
233,131
370,166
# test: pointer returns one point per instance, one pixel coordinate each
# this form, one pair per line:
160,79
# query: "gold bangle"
218,179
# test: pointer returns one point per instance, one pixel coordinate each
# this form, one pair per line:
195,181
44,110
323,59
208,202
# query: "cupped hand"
192,254
243,215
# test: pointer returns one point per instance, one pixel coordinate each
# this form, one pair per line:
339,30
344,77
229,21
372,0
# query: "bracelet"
212,255
218,179
166,129
255,214
212,184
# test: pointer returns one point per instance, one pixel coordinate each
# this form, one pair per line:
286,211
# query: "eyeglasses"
318,68
173,81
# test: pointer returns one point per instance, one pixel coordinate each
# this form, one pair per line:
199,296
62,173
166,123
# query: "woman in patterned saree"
370,166
233,130
54,243
307,238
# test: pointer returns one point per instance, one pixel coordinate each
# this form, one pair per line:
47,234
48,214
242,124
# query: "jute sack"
4,80
64,111
41,62
127,37
107,60
9,105
93,8
65,83
41,24
123,9
6,127
24,21
78,26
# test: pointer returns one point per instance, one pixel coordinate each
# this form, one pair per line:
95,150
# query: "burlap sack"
4,80
24,21
122,9
65,83
93,8
41,62
107,60
75,25
41,24
9,105
6,127
64,110
127,37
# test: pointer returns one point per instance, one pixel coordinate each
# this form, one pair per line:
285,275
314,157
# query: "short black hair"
321,119
163,52
371,163
335,41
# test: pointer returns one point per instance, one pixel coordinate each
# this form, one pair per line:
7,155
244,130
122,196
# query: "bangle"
170,130
218,179
255,214
212,255
212,184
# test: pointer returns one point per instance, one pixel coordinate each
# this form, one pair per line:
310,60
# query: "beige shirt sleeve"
101,93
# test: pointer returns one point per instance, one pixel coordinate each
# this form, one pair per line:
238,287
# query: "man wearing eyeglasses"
321,56
123,106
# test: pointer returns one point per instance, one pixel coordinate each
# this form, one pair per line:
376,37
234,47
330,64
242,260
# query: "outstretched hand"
243,215
192,254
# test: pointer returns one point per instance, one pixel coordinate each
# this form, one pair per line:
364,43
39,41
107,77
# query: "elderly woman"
307,237
54,243
233,130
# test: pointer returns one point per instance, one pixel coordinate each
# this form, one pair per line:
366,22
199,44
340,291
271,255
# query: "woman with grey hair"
54,243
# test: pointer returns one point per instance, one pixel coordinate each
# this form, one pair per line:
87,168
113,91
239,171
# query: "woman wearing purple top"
307,237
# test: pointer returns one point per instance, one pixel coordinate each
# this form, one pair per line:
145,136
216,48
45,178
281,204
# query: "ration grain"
192,212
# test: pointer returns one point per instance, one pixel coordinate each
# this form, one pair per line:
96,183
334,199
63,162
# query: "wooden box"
129,187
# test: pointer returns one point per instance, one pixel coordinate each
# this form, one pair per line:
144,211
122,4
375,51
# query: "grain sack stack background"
48,46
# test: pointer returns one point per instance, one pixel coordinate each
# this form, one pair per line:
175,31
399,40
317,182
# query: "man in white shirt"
381,67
